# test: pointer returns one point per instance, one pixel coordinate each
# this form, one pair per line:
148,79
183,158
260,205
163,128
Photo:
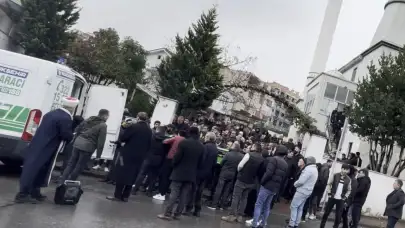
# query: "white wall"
362,70
381,185
153,59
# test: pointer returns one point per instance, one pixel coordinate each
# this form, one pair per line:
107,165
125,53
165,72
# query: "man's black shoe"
196,214
20,198
112,198
40,197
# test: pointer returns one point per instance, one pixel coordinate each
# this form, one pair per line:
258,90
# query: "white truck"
31,87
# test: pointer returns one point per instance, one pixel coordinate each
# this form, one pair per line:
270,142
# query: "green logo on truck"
12,117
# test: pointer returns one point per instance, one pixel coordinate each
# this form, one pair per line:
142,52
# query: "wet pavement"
94,210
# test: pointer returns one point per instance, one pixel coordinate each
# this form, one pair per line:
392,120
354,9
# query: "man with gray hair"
210,156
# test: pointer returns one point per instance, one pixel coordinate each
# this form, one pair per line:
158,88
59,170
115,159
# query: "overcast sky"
282,34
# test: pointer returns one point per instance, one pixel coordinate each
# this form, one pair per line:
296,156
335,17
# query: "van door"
112,99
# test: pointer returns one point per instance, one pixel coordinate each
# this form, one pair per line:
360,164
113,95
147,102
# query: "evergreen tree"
375,114
44,27
192,74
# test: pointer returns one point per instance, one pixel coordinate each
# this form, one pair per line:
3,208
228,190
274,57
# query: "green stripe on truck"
22,118
13,113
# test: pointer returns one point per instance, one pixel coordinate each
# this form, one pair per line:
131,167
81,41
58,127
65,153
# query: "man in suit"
186,164
41,153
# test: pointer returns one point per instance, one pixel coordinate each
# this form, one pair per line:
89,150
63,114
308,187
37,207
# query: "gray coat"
91,135
307,180
229,164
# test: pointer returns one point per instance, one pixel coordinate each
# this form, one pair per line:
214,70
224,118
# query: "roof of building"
157,50
369,50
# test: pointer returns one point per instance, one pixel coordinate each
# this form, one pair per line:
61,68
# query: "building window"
330,90
261,99
354,74
268,103
159,56
350,97
341,94
250,94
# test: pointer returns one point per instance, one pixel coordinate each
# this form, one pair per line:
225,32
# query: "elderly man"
55,128
209,160
138,140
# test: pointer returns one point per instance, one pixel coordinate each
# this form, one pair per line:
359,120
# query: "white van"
29,88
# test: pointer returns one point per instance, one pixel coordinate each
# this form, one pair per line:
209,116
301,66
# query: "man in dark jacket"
339,189
271,182
137,139
186,164
229,170
153,162
181,125
248,169
291,175
209,160
349,202
323,180
395,204
360,196
91,137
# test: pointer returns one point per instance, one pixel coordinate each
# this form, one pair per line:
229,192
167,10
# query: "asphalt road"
95,211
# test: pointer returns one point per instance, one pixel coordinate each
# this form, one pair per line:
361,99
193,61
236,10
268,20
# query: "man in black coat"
395,204
209,161
137,139
271,183
152,163
186,164
360,196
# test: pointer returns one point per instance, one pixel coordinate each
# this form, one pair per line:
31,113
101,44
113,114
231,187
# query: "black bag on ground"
68,193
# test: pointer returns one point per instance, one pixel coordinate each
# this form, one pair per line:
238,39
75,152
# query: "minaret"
325,39
392,24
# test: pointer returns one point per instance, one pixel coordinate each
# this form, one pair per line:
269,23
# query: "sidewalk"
366,221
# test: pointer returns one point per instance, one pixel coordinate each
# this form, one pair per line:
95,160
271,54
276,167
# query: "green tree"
377,113
43,29
103,59
192,74
141,102
133,59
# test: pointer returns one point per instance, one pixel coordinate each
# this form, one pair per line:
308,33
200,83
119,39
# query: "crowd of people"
245,172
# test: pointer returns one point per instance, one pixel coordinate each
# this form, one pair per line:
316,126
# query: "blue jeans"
296,207
262,207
